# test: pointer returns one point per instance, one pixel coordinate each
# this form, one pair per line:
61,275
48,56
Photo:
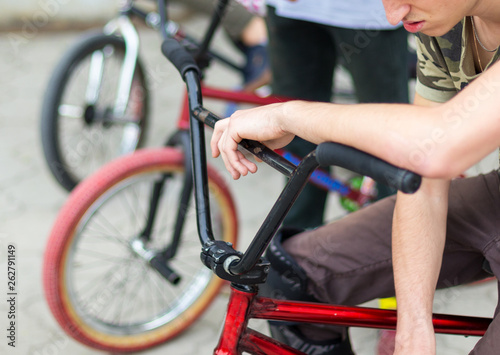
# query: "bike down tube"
236,319
244,304
254,342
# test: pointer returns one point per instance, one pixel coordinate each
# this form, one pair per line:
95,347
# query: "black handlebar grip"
179,56
365,164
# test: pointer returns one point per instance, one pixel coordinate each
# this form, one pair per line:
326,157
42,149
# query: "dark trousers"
303,58
349,261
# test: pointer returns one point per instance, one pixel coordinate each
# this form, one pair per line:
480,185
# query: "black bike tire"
61,74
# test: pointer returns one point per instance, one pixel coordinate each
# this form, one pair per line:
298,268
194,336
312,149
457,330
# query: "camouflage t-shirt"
446,64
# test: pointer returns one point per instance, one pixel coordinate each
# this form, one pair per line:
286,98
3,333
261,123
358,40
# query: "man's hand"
260,124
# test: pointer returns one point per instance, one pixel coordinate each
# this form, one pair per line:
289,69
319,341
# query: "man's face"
431,17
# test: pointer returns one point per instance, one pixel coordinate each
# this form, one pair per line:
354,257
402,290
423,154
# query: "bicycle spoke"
70,111
99,257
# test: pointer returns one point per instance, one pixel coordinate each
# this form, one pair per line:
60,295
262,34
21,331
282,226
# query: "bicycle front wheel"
86,120
99,288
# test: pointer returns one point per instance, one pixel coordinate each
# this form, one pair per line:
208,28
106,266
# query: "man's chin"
435,30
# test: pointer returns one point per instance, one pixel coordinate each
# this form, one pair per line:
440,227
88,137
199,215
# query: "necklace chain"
477,38
477,54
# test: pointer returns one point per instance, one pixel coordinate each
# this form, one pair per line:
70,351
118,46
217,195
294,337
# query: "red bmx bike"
122,268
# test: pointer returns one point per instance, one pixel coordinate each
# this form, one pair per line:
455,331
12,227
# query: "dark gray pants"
349,261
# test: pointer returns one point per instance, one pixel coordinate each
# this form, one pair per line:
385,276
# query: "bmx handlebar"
249,267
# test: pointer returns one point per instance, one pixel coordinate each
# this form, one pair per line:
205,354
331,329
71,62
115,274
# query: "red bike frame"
244,305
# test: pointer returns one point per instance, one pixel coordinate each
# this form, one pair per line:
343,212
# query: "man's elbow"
441,166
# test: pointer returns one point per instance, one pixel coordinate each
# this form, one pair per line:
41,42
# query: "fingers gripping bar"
365,164
178,56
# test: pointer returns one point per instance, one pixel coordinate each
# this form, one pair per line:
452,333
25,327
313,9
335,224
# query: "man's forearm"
419,231
384,130
436,142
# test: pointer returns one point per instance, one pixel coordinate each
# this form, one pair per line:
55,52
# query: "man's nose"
395,10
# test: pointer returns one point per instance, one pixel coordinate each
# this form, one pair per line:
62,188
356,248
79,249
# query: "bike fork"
125,28
127,31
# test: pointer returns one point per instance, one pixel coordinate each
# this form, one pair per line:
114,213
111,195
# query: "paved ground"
30,199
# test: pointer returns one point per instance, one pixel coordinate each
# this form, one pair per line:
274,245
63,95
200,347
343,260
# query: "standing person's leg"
249,33
378,63
302,58
302,61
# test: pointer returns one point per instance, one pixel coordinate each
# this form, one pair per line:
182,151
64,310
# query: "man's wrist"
284,115
285,118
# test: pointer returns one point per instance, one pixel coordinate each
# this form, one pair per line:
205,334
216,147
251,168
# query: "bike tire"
90,243
79,130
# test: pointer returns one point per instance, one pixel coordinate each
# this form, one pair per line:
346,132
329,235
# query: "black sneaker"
291,335
287,280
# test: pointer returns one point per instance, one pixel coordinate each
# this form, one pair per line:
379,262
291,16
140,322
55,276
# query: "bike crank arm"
156,259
